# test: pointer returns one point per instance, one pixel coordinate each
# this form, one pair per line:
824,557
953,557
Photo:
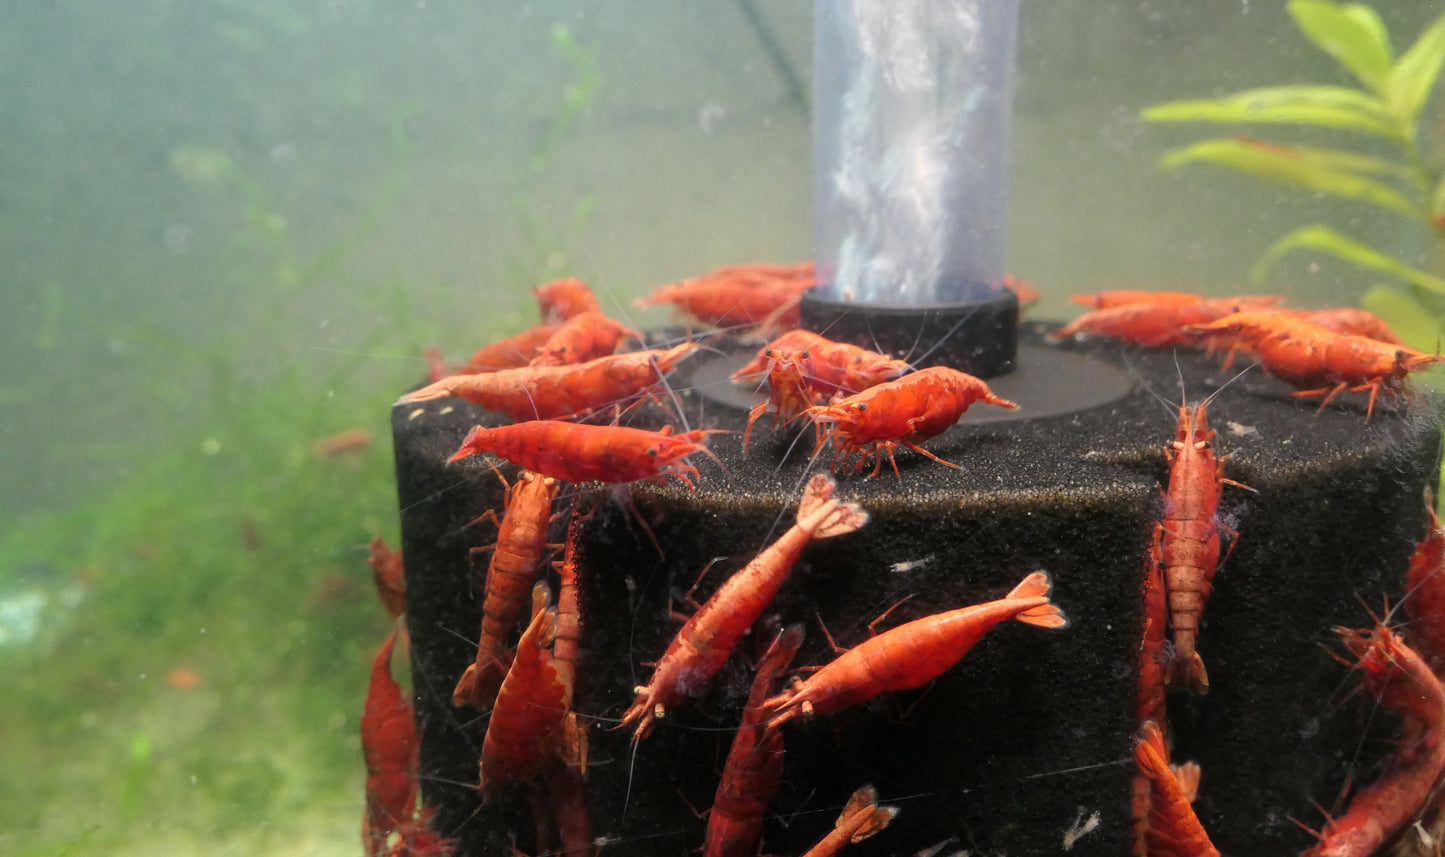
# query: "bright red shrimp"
512,352
567,647
1025,291
1320,361
585,336
529,708
754,764
1151,699
521,541
740,295
1124,297
389,745
567,812
706,640
1153,658
830,367
1354,321
1424,602
572,452
904,412
914,653
1403,682
789,394
390,577
436,365
1174,829
562,299
554,392
1157,324
861,818
1186,542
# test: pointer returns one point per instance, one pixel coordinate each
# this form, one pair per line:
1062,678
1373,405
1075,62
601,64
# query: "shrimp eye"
652,452
862,406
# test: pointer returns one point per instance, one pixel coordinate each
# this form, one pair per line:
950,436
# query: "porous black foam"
1033,729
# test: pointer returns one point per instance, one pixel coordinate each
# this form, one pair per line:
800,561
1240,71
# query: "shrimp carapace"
914,653
707,639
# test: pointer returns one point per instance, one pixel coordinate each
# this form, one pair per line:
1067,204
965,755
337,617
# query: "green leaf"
1437,198
1327,170
1409,82
1326,240
1352,34
1407,316
1330,106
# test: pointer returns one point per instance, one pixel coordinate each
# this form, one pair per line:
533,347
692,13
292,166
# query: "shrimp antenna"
947,336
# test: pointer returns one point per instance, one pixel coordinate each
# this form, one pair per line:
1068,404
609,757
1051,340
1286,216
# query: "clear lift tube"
912,109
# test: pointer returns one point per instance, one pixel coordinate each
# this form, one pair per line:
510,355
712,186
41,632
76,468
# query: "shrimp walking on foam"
1401,680
1173,828
554,392
521,541
754,764
572,452
1186,542
913,654
530,705
707,639
1319,361
861,818
905,412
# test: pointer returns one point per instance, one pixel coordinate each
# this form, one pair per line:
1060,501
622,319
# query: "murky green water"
231,227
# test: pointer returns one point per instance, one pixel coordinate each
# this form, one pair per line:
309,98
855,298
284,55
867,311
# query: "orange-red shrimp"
436,364
804,369
585,336
754,764
512,352
1321,361
789,394
1354,321
529,708
567,810
521,541
341,443
1123,297
707,639
830,367
861,818
1150,701
567,647
1424,602
562,299
1025,291
390,576
1174,829
740,295
389,745
572,452
1156,324
554,392
914,653
1403,682
1186,541
904,412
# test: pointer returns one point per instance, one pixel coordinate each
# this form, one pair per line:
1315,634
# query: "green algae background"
230,228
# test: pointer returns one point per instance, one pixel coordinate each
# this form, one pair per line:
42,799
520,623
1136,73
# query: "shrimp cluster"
1321,352
554,382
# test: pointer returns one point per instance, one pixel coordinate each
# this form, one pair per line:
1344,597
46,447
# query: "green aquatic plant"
1386,106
